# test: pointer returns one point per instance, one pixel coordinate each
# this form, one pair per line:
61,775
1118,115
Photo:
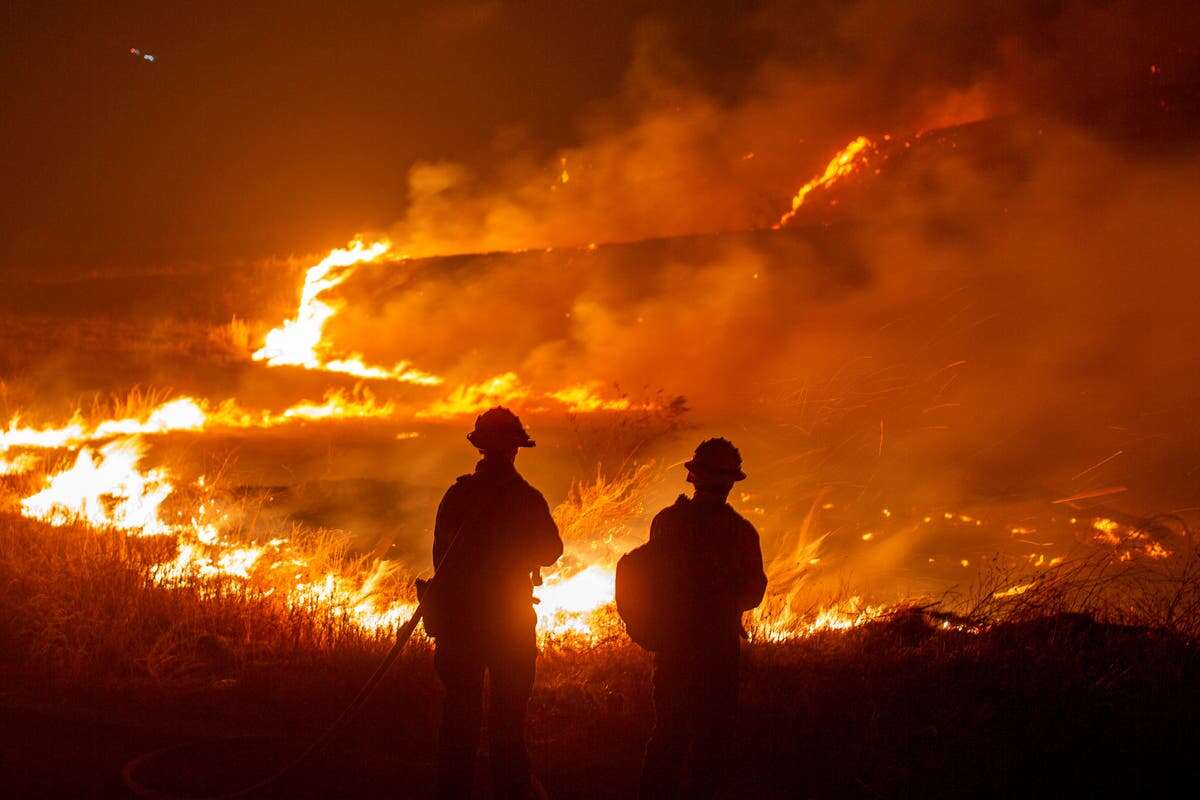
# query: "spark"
1093,493
1097,465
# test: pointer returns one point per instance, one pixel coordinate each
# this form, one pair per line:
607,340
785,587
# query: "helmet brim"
708,470
486,441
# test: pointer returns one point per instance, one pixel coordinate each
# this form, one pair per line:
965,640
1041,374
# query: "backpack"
439,614
644,603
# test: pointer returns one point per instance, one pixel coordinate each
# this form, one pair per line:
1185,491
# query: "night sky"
269,129
272,128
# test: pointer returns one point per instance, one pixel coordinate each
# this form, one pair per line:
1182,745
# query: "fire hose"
403,634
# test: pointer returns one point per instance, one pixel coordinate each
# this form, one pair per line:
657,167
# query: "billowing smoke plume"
1002,316
1005,313
679,152
1016,313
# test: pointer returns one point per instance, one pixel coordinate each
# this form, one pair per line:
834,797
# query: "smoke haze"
1003,315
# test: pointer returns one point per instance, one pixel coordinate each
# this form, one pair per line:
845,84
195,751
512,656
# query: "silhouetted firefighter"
493,533
682,595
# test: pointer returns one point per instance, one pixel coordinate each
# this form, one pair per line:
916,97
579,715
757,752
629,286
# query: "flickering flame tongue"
848,159
105,489
585,397
299,341
505,389
181,414
109,488
566,604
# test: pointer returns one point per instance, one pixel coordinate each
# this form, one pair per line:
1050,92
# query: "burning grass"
221,626
88,610
107,607
912,701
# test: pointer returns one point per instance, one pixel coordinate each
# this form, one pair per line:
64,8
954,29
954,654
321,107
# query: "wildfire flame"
300,341
181,414
566,604
109,489
585,398
847,160
105,489
843,615
505,389
339,404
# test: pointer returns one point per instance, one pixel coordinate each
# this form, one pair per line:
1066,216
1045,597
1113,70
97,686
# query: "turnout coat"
492,531
686,589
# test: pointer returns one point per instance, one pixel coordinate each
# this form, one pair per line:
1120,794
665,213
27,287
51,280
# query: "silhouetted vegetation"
101,663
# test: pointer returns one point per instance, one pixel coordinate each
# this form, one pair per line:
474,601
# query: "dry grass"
1154,593
603,509
84,610
615,443
140,625
137,403
981,694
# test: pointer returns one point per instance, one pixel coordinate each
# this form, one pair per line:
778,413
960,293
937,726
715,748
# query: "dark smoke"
1003,307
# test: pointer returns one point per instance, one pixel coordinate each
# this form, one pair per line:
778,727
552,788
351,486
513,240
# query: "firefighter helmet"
498,428
717,458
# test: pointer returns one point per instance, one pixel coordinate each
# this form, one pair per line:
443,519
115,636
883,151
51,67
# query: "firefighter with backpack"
682,596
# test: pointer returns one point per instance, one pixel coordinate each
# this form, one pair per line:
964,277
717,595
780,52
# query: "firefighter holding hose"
492,534
682,596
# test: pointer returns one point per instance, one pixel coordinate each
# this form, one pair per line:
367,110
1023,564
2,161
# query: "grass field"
101,663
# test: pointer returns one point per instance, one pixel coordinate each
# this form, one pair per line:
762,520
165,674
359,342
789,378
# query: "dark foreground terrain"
101,666
1062,705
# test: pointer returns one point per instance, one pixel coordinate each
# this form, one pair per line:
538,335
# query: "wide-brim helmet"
498,428
717,458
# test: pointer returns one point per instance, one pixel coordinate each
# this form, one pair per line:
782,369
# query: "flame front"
105,489
109,489
585,398
848,159
505,389
181,415
300,341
